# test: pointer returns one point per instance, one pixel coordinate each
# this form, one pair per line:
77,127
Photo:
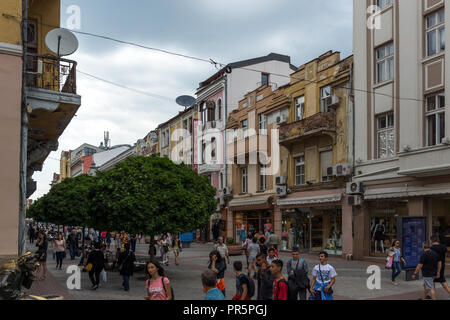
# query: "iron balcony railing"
51,73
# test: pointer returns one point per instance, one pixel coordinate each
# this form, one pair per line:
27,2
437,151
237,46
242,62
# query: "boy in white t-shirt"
324,277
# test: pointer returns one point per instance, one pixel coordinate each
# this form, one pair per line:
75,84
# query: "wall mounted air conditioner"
280,181
281,191
355,188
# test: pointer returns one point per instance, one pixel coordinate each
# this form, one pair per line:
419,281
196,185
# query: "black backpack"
251,286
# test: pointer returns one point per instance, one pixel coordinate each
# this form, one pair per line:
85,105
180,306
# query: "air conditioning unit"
211,125
355,200
281,191
222,201
280,181
331,101
227,191
355,188
343,170
331,171
281,119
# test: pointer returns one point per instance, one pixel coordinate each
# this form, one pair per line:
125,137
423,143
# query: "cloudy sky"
222,30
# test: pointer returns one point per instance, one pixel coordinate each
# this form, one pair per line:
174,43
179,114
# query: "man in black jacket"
72,241
126,266
97,259
265,279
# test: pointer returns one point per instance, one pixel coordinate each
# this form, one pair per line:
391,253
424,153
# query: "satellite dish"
61,42
186,101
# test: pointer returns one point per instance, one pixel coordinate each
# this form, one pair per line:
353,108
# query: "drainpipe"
24,138
225,135
352,99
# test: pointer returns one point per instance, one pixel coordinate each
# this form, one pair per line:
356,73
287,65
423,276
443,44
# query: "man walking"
72,240
223,249
298,280
324,277
273,240
431,268
265,278
441,251
209,280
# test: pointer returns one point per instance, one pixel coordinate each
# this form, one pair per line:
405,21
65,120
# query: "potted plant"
234,249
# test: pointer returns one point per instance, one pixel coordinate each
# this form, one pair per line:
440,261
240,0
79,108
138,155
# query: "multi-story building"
217,97
78,165
402,145
148,145
64,165
296,188
39,100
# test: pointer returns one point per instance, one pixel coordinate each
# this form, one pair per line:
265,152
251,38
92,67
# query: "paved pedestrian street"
186,282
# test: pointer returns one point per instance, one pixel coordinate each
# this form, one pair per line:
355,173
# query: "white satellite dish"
61,42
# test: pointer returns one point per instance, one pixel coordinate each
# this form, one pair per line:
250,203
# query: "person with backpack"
324,277
158,286
298,280
218,265
95,264
126,266
262,246
245,287
265,278
280,285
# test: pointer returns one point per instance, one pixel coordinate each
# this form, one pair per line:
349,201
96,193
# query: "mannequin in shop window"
378,235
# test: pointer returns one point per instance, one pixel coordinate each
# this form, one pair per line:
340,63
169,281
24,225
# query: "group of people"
262,257
432,265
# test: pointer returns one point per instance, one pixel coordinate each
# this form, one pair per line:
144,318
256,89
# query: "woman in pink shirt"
60,249
158,286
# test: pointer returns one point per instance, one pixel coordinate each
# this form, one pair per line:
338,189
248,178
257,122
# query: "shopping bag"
389,262
103,276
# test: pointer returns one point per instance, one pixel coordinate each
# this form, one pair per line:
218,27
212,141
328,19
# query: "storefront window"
252,223
441,220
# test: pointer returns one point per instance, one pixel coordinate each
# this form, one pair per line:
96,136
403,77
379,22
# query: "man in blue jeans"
72,240
126,266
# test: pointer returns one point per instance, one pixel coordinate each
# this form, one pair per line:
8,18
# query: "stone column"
277,221
361,242
347,227
230,225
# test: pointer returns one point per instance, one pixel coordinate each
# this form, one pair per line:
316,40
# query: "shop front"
312,222
251,216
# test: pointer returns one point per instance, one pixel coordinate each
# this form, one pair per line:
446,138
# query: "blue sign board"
413,233
187,237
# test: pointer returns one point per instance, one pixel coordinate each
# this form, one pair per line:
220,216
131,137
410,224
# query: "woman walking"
394,253
108,240
60,249
218,265
164,244
97,259
253,251
176,246
42,245
157,285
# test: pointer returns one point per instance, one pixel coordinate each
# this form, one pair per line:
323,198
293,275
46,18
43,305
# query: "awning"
405,192
324,199
253,203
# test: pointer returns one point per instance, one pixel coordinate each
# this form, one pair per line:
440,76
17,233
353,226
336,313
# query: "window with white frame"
435,28
385,63
386,136
219,107
326,161
213,149
325,96
244,125
244,180
435,119
299,170
299,108
262,177
382,4
262,124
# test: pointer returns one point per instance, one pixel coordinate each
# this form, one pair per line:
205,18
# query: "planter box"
235,250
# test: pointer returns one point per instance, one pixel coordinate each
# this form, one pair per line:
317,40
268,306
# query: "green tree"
67,203
152,195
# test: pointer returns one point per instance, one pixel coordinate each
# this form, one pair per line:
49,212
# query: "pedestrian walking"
253,250
223,249
60,249
133,242
245,247
31,233
164,247
96,262
298,280
117,239
244,285
158,286
126,266
394,253
262,246
273,240
108,240
271,256
265,278
218,265
72,241
209,280
324,277
42,245
441,251
176,246
431,265
280,286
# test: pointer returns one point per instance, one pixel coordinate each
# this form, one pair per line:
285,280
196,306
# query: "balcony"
425,162
323,123
50,90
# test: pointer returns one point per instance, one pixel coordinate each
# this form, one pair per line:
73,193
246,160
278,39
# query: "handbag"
389,262
103,276
330,292
88,267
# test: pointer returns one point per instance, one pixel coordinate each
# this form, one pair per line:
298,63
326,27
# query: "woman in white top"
60,250
164,244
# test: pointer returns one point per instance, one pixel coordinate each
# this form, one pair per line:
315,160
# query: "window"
300,108
299,170
219,105
213,148
221,180
435,119
190,125
325,96
203,152
385,63
244,125
382,4
326,161
435,28
385,136
264,79
262,177
244,180
262,124
211,113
